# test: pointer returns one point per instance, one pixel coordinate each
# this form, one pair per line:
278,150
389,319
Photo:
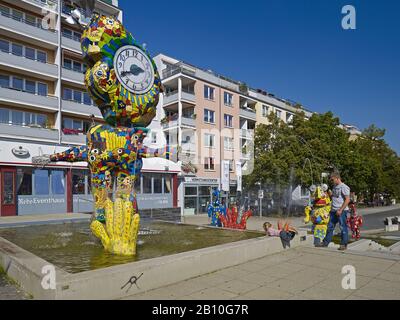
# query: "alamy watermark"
349,280
349,20
49,278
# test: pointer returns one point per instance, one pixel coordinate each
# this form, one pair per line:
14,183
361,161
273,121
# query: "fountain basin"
107,282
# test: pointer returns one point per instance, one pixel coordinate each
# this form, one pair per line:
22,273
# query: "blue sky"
295,49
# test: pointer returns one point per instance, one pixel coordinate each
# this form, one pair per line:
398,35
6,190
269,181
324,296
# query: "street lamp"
260,197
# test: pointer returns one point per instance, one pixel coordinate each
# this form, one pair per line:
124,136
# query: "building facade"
44,108
209,119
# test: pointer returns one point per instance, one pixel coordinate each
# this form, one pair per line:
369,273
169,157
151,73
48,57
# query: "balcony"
72,76
172,122
28,132
77,108
48,4
24,28
27,65
247,134
190,122
73,139
71,43
188,149
17,97
169,72
248,113
172,97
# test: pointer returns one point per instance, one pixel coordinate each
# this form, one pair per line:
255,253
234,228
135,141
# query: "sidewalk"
301,273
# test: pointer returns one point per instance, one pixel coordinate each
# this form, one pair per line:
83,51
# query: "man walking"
339,212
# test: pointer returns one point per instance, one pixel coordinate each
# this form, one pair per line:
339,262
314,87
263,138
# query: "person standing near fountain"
339,212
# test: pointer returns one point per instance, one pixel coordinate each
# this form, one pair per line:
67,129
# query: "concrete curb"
26,269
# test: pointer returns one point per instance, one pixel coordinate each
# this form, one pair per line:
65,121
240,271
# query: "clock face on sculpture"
134,69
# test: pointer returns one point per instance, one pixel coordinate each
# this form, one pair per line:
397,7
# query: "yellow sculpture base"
120,232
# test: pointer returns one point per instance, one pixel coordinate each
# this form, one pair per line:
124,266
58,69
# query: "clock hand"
134,69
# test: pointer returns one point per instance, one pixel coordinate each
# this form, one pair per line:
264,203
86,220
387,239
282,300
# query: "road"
375,220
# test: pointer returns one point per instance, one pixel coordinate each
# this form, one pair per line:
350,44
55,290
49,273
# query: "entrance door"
8,197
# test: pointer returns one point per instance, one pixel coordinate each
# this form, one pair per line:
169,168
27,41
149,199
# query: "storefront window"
191,203
58,182
42,182
204,191
157,181
167,184
191,191
24,182
8,188
78,182
146,184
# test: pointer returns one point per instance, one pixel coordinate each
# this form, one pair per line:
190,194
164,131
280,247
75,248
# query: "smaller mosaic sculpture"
235,220
317,212
216,209
354,222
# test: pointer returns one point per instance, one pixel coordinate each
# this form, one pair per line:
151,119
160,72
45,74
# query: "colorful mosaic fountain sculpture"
123,81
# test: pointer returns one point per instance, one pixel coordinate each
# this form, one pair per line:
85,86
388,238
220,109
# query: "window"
41,120
146,184
29,118
77,66
209,140
67,33
190,191
264,110
157,183
5,11
17,117
17,83
289,117
41,182
67,94
67,64
77,36
231,169
42,56
228,99
228,120
86,99
78,182
57,182
209,116
4,116
42,89
77,96
24,182
208,93
29,19
167,184
4,81
228,143
4,46
30,53
30,86
67,123
278,113
17,15
16,49
77,125
208,163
